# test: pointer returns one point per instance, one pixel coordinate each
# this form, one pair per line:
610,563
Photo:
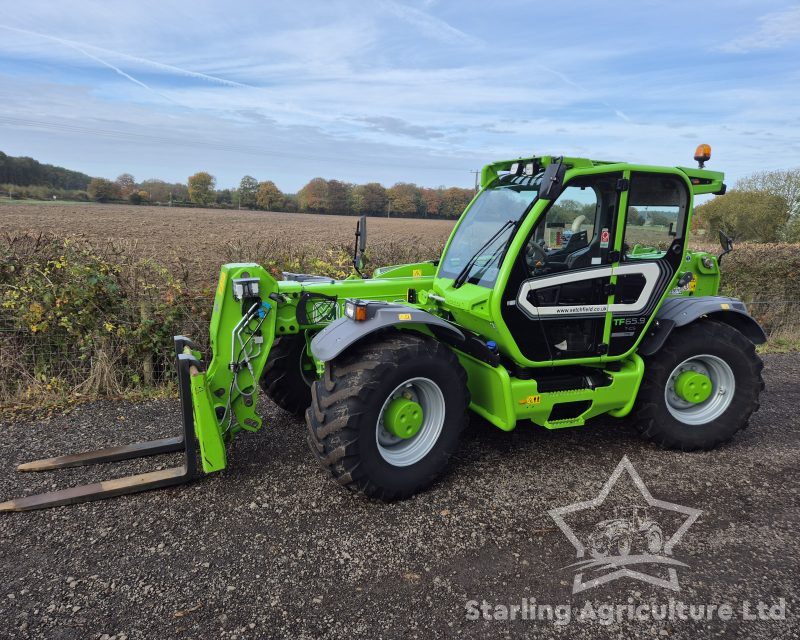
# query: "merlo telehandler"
566,291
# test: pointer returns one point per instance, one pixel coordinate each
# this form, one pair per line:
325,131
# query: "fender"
344,332
678,312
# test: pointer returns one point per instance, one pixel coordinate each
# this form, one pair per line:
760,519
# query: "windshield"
506,200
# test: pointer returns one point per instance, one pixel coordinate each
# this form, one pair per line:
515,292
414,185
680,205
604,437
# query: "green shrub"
71,315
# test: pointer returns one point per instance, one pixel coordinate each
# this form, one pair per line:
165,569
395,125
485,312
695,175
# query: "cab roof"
702,180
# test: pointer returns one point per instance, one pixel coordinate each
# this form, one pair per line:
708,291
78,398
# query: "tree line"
763,207
26,171
26,178
403,199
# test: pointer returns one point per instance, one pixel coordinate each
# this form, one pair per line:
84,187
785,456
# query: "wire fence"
34,364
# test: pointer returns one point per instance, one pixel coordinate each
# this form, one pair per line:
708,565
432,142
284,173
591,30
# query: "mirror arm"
360,245
726,243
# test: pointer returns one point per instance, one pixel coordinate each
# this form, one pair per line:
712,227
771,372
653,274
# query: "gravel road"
272,548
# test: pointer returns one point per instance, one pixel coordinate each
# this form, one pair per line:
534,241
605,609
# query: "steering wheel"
535,255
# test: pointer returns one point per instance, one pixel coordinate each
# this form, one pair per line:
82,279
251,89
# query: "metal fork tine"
99,490
186,442
111,454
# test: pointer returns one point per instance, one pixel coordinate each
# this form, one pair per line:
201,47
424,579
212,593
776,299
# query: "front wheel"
387,415
288,374
700,388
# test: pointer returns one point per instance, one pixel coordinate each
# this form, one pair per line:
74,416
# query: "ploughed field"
199,240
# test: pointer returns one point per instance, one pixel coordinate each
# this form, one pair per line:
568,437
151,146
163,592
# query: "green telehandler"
566,291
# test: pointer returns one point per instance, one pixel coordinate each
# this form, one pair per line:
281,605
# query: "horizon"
424,92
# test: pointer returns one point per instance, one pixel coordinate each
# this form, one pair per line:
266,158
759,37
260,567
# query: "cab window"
656,213
577,230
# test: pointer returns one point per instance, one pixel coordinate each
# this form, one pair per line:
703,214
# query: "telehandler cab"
566,291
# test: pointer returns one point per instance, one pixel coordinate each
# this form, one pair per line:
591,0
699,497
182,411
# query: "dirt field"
205,238
272,548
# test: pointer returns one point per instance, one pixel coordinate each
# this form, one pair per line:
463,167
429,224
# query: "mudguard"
680,311
344,332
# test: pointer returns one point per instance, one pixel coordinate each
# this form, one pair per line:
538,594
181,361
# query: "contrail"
153,63
117,70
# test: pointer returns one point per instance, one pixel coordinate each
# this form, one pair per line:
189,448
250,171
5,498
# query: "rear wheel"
288,374
388,414
700,388
655,539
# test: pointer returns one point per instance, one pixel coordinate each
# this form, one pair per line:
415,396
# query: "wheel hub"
700,389
403,418
693,386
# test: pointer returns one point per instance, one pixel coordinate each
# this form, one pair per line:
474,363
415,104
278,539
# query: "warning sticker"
404,316
604,238
416,273
531,400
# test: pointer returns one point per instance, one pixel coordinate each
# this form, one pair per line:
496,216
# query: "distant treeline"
29,172
25,178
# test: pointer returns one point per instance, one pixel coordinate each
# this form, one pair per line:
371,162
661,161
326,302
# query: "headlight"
356,310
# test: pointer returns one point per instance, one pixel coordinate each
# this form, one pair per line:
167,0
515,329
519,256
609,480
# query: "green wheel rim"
693,386
403,418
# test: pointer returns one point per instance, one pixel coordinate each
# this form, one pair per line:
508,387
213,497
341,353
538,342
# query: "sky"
388,91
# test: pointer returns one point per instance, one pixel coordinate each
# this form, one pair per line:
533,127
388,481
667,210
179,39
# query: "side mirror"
553,180
726,243
361,244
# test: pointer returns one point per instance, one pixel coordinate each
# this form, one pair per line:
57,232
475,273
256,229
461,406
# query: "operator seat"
583,257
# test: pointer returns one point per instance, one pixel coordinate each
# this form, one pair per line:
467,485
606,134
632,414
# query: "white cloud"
377,91
774,31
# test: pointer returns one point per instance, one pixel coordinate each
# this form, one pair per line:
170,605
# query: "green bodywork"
224,396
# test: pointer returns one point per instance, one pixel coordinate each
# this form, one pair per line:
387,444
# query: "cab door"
651,247
557,298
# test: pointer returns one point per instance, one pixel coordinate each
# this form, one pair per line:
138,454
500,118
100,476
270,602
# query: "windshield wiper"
462,276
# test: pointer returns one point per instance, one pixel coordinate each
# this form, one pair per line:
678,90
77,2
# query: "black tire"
345,406
704,337
282,379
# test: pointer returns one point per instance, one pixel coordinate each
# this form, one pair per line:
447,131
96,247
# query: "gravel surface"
272,548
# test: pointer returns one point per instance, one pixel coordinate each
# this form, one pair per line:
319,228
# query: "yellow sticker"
404,316
222,278
693,285
531,400
416,273
725,305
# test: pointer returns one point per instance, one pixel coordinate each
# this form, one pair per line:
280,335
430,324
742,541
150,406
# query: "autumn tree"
160,191
248,187
404,199
269,197
138,197
102,190
744,215
314,196
455,200
338,197
431,201
125,184
369,198
201,187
